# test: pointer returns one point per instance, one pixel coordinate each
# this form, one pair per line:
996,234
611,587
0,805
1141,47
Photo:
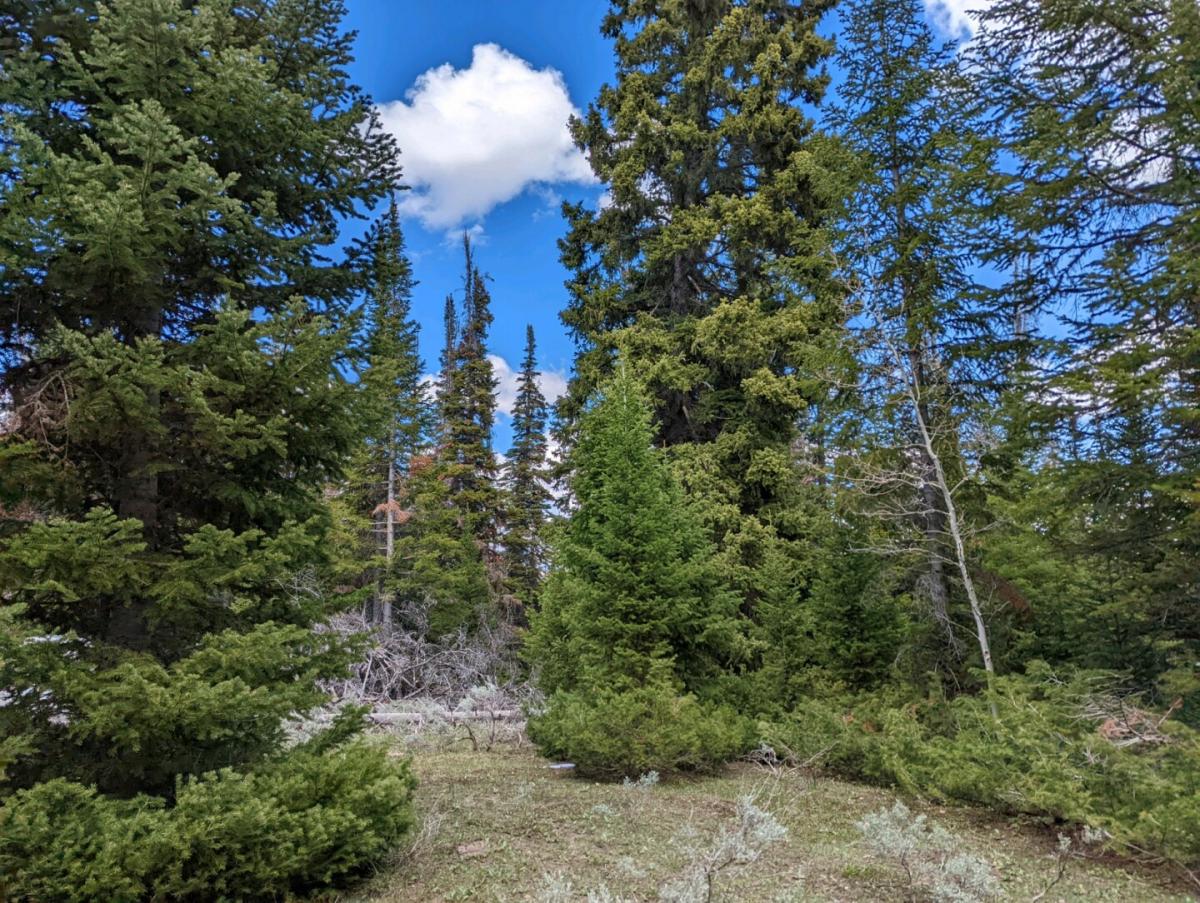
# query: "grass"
498,823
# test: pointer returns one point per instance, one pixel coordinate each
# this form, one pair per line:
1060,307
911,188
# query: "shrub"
1051,751
613,735
739,844
929,856
303,821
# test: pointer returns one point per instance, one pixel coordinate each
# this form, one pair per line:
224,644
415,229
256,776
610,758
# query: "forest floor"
500,826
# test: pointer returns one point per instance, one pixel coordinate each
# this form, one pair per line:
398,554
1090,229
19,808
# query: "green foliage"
468,406
845,636
711,273
615,734
439,564
288,826
1099,227
632,587
369,507
633,614
447,557
174,350
526,473
1045,753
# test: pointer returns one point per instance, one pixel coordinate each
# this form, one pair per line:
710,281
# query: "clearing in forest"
498,826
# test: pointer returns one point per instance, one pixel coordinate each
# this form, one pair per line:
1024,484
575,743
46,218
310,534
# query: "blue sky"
477,93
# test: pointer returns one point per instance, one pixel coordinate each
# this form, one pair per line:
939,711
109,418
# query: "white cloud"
956,17
473,138
552,383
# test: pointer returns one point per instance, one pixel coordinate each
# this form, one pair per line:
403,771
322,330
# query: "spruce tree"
172,344
711,270
634,618
528,497
470,412
448,559
448,360
398,414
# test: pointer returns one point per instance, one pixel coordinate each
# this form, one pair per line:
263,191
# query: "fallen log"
447,715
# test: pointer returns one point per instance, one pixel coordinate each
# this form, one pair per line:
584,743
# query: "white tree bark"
953,523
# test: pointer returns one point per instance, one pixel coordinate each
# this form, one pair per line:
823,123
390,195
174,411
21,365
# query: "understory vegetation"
500,827
877,474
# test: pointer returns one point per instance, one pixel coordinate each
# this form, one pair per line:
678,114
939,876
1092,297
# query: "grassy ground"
498,823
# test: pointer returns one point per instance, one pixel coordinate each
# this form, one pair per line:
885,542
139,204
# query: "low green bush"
1045,753
307,820
610,734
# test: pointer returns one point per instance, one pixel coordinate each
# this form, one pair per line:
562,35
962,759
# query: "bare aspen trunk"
960,552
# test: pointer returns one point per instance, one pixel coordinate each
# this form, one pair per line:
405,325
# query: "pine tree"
711,269
528,497
174,419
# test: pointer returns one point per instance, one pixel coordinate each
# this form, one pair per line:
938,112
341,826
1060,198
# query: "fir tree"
633,585
634,625
711,269
923,346
398,415
526,477
1094,106
175,417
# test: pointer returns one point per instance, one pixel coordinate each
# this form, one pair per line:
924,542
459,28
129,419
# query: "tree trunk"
137,496
390,539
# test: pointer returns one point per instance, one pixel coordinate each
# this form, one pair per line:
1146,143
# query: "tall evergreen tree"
470,413
398,415
923,346
1095,105
711,269
528,497
449,555
174,419
448,358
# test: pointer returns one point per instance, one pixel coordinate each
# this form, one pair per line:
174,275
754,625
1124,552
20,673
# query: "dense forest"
880,453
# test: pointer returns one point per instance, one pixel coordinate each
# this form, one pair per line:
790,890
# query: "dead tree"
904,476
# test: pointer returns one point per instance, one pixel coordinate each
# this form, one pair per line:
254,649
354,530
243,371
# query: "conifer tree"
448,358
633,584
904,239
528,497
1094,106
398,415
447,560
634,622
172,339
711,269
470,413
